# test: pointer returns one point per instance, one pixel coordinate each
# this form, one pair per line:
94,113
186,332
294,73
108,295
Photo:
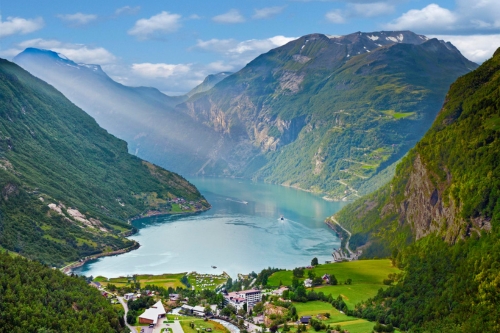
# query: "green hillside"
327,114
67,186
446,191
36,298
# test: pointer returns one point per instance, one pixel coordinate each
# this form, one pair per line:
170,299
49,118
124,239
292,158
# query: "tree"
298,272
348,281
311,274
207,310
333,280
314,262
317,281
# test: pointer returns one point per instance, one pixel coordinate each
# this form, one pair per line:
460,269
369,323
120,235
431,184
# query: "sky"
174,45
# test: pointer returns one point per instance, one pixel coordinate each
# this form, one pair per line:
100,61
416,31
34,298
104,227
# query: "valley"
184,167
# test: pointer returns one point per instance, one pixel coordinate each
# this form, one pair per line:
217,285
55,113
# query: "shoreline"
331,222
324,197
68,269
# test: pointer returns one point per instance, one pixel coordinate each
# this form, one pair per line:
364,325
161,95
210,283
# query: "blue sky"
173,45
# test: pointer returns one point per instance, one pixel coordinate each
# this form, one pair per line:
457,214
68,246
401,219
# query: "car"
151,325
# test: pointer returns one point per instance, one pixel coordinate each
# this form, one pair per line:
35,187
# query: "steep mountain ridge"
446,185
297,113
439,218
207,84
67,186
142,116
321,113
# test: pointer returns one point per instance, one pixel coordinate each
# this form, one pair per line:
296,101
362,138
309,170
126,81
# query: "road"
124,304
347,231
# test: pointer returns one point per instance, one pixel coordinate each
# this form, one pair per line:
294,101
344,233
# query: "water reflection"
238,235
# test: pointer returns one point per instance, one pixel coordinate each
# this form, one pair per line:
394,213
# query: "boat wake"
238,201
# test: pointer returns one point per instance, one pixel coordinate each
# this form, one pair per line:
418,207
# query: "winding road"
124,304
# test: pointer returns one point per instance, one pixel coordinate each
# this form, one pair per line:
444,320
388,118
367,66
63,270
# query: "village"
319,297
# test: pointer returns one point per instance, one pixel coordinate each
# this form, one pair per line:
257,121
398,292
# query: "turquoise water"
242,232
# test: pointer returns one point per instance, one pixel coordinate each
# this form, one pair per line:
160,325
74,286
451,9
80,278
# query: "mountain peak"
35,54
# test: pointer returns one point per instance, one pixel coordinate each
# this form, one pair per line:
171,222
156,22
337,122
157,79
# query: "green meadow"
366,276
313,309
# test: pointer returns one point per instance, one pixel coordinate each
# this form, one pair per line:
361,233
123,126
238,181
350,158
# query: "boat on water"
282,218
214,267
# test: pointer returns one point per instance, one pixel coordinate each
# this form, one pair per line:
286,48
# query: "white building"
129,296
151,315
239,298
308,283
199,311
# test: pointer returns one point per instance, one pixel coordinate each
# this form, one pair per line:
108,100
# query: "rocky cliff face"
448,184
431,209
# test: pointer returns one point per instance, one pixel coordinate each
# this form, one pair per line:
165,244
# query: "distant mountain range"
68,186
320,113
142,116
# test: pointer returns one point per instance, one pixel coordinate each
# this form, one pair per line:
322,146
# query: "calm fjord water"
241,233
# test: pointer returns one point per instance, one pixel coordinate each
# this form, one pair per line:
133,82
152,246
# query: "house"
151,315
199,311
95,284
239,298
326,278
174,297
305,319
187,309
279,292
128,296
308,283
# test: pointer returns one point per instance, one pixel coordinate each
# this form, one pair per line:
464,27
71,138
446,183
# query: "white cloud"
335,16
163,22
18,25
160,70
78,18
247,49
232,16
477,48
194,17
469,17
267,12
79,53
431,17
127,10
370,9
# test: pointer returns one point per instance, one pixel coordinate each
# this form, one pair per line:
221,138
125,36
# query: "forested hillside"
35,298
439,218
67,186
327,113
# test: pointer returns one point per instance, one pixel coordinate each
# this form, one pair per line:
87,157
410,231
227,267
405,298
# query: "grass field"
163,280
352,294
352,324
366,276
202,325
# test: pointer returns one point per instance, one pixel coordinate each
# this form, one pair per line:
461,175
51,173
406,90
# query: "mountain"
321,113
326,113
142,116
208,83
439,218
67,186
